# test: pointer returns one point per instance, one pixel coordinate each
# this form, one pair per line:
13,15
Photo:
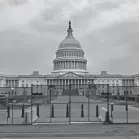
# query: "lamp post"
108,120
12,103
126,98
69,103
88,99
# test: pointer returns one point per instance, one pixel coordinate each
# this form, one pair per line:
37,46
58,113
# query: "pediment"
70,75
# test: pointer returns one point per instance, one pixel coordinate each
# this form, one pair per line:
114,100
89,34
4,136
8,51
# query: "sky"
31,31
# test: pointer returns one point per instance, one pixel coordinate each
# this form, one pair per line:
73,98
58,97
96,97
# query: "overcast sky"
31,31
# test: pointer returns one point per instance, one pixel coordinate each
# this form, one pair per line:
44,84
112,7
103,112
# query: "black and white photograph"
69,69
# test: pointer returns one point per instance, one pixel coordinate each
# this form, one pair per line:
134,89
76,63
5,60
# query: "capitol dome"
69,56
70,41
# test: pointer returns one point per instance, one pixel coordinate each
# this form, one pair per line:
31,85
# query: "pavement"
73,131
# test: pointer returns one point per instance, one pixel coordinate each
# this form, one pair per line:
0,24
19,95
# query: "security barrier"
69,103
102,114
30,115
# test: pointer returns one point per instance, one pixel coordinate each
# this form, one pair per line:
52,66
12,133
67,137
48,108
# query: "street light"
126,98
12,103
108,118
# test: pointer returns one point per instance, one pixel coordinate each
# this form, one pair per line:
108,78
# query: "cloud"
119,41
31,31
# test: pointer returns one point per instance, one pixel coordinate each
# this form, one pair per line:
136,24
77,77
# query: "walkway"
75,130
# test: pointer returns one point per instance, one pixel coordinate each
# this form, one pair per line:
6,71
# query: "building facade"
70,67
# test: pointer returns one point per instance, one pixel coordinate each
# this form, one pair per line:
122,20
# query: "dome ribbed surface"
70,41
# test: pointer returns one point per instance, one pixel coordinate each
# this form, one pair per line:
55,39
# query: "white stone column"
68,81
59,65
62,65
61,82
77,83
14,83
81,83
56,65
58,81
79,65
48,82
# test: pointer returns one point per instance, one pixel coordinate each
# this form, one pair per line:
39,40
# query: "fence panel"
69,103
124,108
14,102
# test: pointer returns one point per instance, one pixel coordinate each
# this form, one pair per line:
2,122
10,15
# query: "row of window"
70,65
108,80
66,54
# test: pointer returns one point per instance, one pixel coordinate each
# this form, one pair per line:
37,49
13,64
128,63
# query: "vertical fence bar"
50,102
126,93
70,104
12,109
88,101
31,102
108,118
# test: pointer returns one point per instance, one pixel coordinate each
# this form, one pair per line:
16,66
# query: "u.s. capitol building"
70,67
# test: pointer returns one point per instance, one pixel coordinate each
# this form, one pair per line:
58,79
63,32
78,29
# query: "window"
130,92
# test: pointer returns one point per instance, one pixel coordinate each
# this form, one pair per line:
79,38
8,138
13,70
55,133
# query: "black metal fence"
69,103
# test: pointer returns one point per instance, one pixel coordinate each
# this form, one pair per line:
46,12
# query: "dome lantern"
69,42
69,31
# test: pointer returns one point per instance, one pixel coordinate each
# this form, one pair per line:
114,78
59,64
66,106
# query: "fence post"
38,114
67,111
82,111
97,114
22,116
8,111
107,117
111,109
52,111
